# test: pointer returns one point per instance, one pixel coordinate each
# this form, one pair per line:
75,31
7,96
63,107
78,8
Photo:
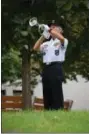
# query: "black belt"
53,63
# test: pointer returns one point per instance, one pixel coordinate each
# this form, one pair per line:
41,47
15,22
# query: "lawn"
45,121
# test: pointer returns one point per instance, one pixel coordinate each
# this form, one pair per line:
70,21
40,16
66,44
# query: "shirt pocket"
56,52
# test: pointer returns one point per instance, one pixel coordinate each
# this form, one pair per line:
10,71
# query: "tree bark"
26,88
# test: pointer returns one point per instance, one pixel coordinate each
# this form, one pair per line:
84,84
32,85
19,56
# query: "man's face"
53,27
56,28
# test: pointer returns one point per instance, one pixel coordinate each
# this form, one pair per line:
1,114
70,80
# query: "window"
17,93
3,92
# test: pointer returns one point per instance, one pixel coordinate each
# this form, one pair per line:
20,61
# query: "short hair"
52,24
55,24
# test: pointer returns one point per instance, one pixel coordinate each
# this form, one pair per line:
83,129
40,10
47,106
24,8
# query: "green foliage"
72,15
75,21
11,65
84,64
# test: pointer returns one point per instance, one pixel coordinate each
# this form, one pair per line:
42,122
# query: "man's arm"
38,43
57,34
45,35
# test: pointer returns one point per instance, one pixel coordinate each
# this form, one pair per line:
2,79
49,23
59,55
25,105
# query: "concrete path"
77,91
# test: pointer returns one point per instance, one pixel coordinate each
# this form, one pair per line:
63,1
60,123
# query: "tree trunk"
26,89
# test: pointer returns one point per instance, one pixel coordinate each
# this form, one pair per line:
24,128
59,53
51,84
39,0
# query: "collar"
53,39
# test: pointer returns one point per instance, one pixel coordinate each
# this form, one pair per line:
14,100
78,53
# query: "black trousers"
52,78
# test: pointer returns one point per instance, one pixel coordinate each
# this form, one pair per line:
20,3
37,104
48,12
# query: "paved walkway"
77,91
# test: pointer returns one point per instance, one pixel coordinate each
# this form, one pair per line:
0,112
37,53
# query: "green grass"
48,121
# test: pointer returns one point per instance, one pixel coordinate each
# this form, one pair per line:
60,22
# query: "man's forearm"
57,35
38,43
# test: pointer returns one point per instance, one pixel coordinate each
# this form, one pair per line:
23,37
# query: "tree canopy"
72,15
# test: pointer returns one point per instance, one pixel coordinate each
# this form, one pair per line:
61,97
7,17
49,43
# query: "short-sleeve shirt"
54,50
